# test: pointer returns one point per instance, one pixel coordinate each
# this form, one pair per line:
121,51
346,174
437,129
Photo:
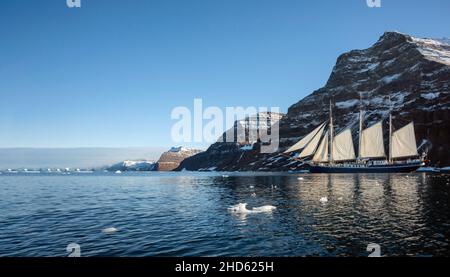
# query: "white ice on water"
109,230
241,208
323,200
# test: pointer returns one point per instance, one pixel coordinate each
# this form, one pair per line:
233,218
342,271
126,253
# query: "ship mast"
331,133
360,125
390,130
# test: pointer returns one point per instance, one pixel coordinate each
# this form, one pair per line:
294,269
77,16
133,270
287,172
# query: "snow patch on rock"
430,96
391,78
347,104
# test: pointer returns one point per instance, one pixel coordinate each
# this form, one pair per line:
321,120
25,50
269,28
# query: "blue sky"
108,74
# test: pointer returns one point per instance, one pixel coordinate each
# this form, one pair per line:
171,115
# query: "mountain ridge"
412,72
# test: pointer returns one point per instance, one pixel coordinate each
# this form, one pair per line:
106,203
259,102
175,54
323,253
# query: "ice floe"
241,208
323,200
109,230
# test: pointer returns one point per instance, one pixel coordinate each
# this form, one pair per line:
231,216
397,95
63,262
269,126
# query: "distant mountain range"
168,161
413,72
98,159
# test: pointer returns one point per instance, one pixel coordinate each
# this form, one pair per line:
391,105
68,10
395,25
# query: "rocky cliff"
168,161
171,159
408,74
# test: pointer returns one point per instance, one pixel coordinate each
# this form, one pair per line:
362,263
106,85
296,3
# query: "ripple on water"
178,215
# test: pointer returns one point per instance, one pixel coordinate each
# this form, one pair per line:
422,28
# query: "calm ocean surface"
186,214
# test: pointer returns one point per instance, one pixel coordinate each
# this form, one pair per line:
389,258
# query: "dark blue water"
186,214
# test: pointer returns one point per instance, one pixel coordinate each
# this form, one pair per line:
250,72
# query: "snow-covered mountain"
413,72
251,125
231,155
443,40
168,161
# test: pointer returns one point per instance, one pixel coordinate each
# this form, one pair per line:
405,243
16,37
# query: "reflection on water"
186,214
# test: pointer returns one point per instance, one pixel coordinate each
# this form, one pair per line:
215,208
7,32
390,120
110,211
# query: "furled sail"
404,142
321,154
372,145
304,141
343,149
312,145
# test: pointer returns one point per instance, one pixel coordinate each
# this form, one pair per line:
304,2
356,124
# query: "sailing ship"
327,153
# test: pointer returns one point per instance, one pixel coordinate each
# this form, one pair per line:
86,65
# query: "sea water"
188,214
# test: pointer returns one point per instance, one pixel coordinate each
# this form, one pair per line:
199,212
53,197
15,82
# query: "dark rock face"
243,154
171,159
413,73
231,157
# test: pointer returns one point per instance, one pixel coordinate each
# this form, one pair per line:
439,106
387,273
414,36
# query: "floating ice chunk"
300,178
241,208
109,230
118,172
264,209
225,176
323,200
